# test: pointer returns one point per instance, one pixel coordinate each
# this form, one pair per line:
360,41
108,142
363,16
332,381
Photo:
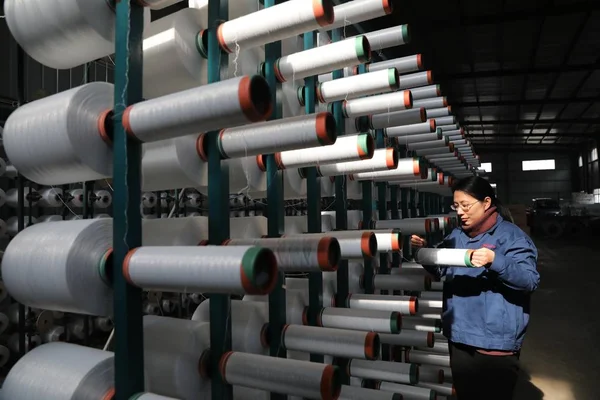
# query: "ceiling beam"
578,121
532,102
472,135
516,72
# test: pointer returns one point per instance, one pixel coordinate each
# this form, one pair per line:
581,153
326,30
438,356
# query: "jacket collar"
490,231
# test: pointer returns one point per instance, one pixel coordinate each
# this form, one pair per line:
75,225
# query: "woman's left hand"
482,257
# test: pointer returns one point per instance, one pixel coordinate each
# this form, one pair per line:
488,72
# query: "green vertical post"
127,224
275,212
313,198
367,208
382,202
396,259
218,212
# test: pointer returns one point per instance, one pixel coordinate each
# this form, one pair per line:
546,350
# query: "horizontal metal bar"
579,121
516,72
531,102
472,136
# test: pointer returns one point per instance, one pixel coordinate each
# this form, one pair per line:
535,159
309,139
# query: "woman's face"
469,209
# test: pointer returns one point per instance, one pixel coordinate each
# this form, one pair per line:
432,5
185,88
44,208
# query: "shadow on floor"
525,389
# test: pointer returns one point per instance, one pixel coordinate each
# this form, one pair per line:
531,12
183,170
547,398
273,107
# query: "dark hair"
480,188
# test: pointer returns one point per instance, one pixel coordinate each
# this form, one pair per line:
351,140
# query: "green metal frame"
127,225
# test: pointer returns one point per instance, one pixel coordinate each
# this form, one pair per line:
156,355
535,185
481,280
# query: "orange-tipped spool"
368,244
396,241
330,383
328,254
325,127
372,346
432,125
103,120
429,77
255,98
430,339
408,99
420,61
201,147
413,305
223,365
127,123
126,261
221,39
204,364
110,395
416,166
423,114
391,158
323,12
261,161
387,6
441,178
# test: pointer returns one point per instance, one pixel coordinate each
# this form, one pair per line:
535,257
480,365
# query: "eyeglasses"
465,207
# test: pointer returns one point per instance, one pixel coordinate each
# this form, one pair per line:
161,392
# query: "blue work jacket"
488,308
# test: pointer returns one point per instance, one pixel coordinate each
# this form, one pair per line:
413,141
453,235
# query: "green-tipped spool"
468,259
440,133
406,34
262,69
366,144
393,78
446,140
257,266
105,267
202,43
394,325
363,49
300,94
414,374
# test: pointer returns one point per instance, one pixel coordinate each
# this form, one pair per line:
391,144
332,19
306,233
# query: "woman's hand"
417,241
482,257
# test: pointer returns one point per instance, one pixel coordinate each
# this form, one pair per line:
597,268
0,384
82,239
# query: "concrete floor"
561,355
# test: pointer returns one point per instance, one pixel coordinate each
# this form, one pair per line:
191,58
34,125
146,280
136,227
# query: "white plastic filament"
446,257
301,285
103,199
57,139
213,269
385,371
388,240
386,38
405,305
223,104
358,11
298,253
187,231
382,81
404,65
424,357
359,393
333,342
409,226
361,320
397,118
279,375
420,137
346,148
378,104
430,144
383,159
401,282
422,324
60,371
278,135
353,244
408,392
296,302
65,33
12,197
319,60
175,357
74,255
274,23
51,197
412,167
408,338
401,132
416,80
425,92
432,102
439,112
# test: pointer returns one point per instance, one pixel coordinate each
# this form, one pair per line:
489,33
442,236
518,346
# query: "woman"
486,309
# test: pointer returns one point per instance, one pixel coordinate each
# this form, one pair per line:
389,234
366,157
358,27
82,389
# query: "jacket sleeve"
437,270
517,268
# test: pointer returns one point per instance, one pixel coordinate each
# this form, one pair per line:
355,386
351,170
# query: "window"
580,161
486,166
597,196
594,154
538,165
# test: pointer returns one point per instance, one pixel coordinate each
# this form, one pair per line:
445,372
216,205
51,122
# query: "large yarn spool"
384,370
248,227
188,231
12,197
383,159
358,85
301,284
425,357
360,320
359,393
422,324
176,357
61,371
405,305
63,34
408,337
408,392
75,256
103,199
449,257
50,197
296,302
248,324
353,244
383,103
56,140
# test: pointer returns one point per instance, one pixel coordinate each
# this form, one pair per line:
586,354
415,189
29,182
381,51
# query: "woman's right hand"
417,241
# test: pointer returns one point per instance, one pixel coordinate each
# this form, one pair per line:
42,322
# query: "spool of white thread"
103,199
383,159
420,137
389,240
440,347
353,244
412,167
425,357
430,144
432,152
76,197
408,392
385,38
360,320
404,305
450,127
422,324
439,112
346,148
12,197
76,328
332,342
410,226
383,103
323,59
432,296
293,377
176,357
359,393
416,80
248,227
227,103
397,118
294,184
447,257
50,197
358,85
45,139
404,65
446,121
430,374
148,198
402,282
298,254
63,34
248,324
402,132
213,269
408,338
385,371
425,92
192,200
277,135
188,231
58,371
359,11
75,255
103,324
301,285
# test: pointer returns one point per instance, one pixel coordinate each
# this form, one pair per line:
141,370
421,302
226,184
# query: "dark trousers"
479,376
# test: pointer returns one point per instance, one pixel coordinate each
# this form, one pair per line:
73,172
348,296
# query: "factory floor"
561,355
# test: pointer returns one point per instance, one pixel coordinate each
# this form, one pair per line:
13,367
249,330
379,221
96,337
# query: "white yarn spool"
249,320
386,38
66,34
346,148
402,282
76,328
213,269
409,338
385,371
227,103
358,393
422,324
383,159
76,197
425,92
445,389
416,80
389,240
148,198
298,254
50,197
176,357
279,375
353,244
360,320
401,132
424,357
294,184
103,324
301,285
359,11
296,302
431,374
332,342
277,135
439,112
74,255
248,227
59,371
449,257
430,144
440,347
408,392
358,85
103,199
152,396
432,296
57,139
429,152
323,59
383,103
451,127
404,65
446,121
409,226
404,305
12,197
420,137
188,231
397,118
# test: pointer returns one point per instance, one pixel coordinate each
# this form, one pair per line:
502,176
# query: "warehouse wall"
589,168
515,186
